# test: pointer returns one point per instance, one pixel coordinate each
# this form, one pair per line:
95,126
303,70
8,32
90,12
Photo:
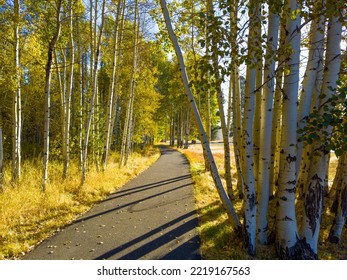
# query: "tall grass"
218,241
28,215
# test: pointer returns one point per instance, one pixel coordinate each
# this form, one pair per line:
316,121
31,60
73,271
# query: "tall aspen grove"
86,85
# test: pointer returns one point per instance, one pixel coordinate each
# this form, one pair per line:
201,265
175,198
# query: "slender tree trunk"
220,100
187,128
257,113
276,134
315,59
116,112
128,125
81,96
237,128
286,228
94,93
17,114
236,98
67,115
51,48
208,78
61,91
172,130
214,171
111,97
320,154
266,127
129,142
250,208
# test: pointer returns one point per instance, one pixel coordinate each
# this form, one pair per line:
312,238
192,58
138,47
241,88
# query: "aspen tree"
236,96
48,72
214,171
307,149
81,94
287,241
187,127
111,95
266,121
313,198
17,107
315,59
277,117
250,208
68,94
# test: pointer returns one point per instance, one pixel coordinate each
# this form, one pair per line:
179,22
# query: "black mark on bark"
313,202
290,158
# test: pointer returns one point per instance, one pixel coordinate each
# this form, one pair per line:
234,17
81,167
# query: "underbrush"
28,215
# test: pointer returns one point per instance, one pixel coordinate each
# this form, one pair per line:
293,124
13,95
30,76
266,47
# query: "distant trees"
69,80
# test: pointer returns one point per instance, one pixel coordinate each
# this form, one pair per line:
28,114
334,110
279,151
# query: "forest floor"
218,241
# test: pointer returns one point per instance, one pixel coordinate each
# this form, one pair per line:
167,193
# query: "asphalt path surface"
151,217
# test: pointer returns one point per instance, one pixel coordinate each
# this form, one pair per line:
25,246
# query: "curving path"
151,217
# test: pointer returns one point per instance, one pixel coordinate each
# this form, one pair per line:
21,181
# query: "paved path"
151,217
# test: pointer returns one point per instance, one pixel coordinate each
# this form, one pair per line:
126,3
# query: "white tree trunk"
237,128
94,93
320,155
214,171
307,151
266,127
286,226
234,88
315,58
17,115
250,200
67,99
51,48
81,96
187,128
276,133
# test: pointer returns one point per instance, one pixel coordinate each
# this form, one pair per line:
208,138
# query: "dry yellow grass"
27,215
218,241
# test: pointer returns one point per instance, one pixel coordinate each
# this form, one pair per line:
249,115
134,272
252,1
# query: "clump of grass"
28,215
218,241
